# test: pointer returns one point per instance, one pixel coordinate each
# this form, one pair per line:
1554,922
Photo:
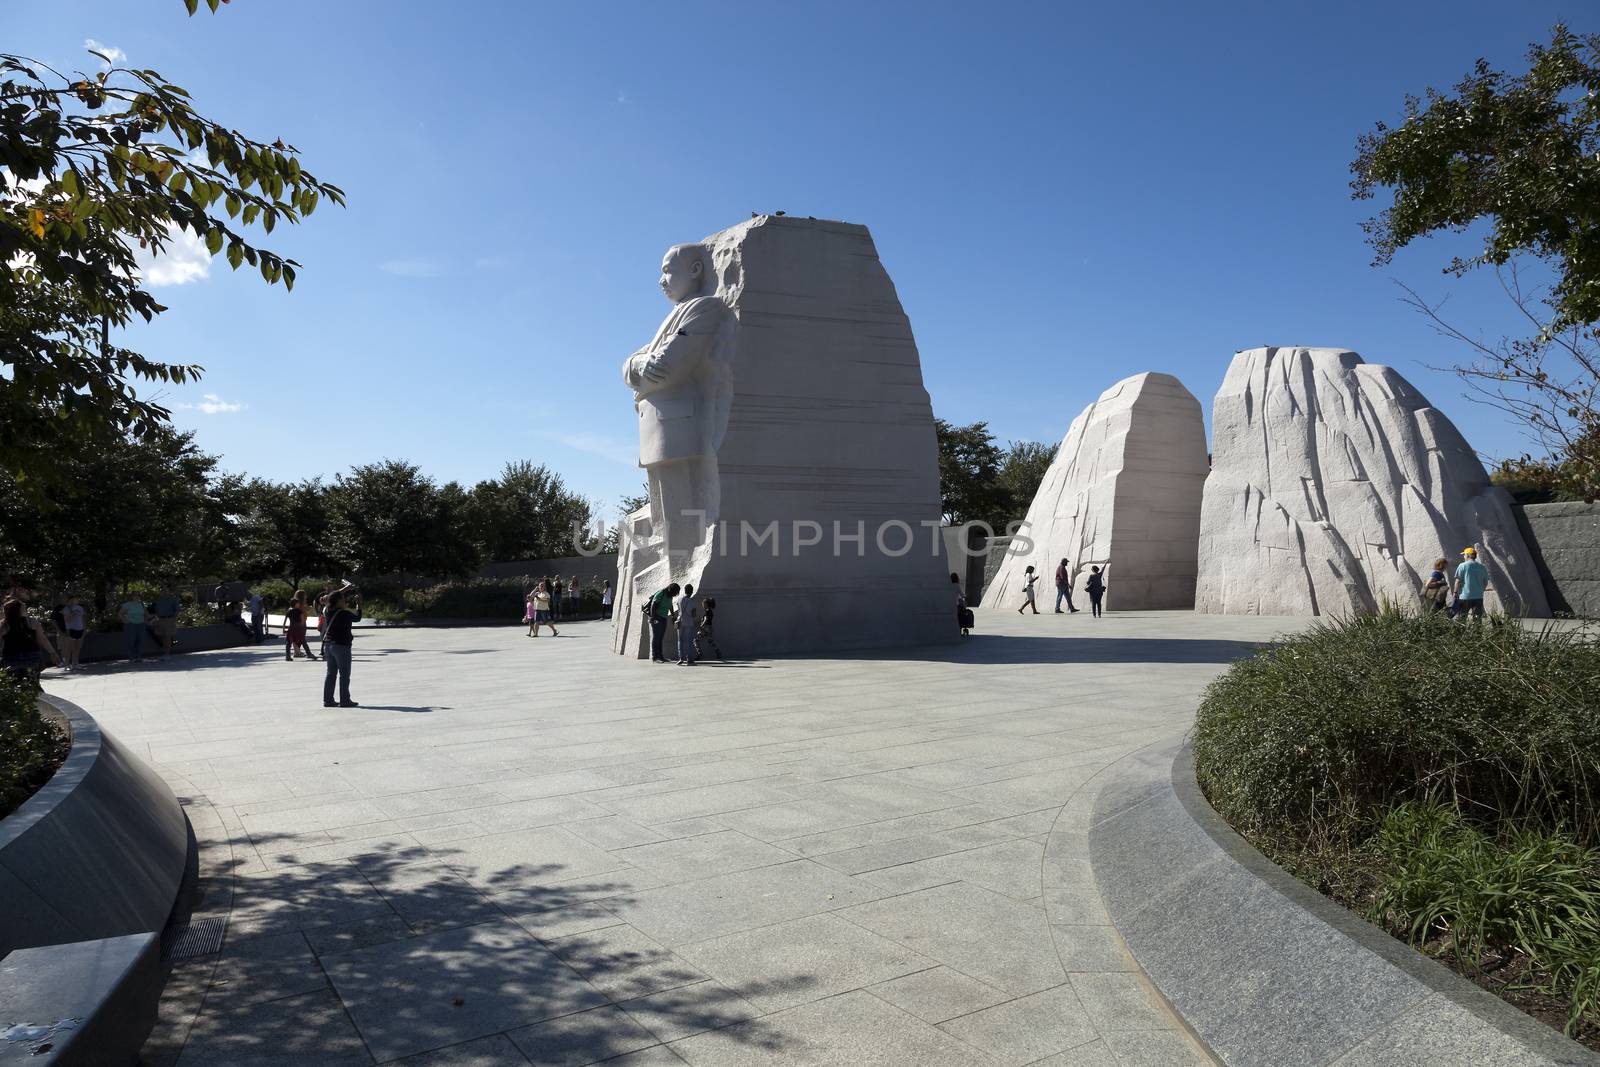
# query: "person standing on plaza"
23,644
1029,579
1096,587
1064,587
258,616
659,610
606,598
529,615
557,593
1436,590
344,610
543,606
688,618
166,606
322,618
1472,579
132,615
74,621
574,591
294,628
964,618
707,631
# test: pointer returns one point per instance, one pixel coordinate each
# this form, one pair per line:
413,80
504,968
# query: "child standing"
1028,580
528,615
688,615
706,633
294,628
1096,585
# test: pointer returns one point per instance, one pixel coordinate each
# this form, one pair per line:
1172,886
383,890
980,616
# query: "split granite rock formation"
1125,486
1334,486
789,446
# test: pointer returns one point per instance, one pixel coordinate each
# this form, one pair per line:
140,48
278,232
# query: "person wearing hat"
1472,578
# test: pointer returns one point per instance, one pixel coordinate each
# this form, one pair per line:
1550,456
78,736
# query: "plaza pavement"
532,851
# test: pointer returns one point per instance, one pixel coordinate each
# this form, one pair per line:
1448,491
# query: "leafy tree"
93,167
1523,155
284,530
389,518
527,513
143,507
1021,473
969,473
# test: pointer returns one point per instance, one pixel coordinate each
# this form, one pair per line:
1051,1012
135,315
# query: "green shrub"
1530,891
480,598
1318,738
31,746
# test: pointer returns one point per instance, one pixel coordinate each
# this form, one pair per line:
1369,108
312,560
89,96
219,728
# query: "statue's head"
686,272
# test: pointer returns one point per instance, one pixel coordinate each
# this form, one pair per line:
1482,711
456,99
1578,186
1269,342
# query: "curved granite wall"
98,852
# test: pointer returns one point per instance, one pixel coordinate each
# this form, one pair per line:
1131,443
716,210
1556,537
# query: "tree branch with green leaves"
94,169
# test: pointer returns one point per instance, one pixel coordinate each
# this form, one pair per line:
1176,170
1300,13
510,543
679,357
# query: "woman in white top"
605,600
75,621
1028,580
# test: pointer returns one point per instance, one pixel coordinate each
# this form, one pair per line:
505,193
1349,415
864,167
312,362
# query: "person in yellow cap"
1472,578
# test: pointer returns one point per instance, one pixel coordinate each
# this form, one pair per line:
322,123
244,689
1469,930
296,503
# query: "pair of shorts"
74,635
167,627
541,615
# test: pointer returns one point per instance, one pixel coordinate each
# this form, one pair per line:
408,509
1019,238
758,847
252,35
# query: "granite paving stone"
1027,1029
853,848
795,962
429,992
938,994
853,1028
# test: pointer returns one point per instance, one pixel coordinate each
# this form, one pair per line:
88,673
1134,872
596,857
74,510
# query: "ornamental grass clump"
31,746
1314,741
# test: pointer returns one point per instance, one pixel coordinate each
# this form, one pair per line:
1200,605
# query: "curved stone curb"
98,852
88,1004
1265,970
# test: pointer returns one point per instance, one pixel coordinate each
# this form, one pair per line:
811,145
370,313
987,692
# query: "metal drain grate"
196,939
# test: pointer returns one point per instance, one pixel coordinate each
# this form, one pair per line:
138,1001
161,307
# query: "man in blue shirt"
1472,578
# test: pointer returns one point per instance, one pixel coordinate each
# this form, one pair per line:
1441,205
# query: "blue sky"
1064,194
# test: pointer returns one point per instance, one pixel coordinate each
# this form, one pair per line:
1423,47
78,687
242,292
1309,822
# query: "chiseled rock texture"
828,423
1125,487
1334,486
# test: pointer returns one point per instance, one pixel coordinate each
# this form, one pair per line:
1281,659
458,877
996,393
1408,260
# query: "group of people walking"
550,600
1094,585
1467,586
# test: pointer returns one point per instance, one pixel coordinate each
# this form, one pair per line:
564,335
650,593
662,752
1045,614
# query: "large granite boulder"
789,448
1125,486
1334,486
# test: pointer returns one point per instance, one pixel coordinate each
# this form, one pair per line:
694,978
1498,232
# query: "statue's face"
680,276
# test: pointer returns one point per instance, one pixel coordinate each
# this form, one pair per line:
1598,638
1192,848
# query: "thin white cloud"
212,404
116,55
413,267
185,260
624,452
622,97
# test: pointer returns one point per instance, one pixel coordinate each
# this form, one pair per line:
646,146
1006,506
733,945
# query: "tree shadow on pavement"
397,949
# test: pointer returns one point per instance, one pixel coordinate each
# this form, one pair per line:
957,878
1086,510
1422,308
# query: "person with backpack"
1436,590
1096,588
658,609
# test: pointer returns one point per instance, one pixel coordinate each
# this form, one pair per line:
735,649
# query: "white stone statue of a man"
680,388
